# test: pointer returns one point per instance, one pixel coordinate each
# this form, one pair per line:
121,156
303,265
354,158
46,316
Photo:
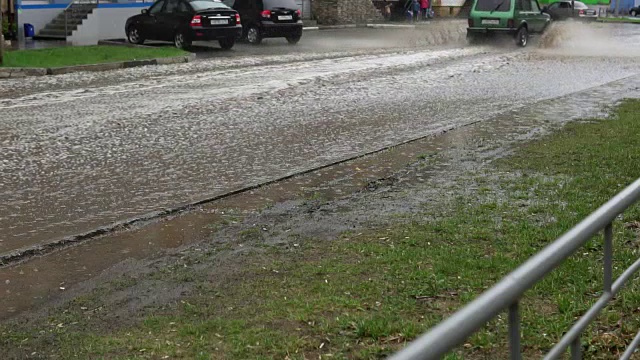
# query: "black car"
635,11
185,21
269,19
563,10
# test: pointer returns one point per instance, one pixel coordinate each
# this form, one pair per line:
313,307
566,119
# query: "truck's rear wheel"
522,37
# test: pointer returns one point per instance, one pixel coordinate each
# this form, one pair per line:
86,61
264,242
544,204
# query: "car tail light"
470,22
266,14
511,23
298,12
237,19
196,20
581,12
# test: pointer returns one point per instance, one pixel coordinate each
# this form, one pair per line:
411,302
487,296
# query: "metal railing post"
514,332
507,292
1,40
66,18
608,257
576,349
631,349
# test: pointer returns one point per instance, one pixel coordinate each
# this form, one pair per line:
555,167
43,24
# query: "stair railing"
69,8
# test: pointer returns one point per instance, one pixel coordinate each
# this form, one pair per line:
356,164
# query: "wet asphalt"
80,151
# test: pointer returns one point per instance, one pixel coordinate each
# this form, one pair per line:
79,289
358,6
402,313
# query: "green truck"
515,18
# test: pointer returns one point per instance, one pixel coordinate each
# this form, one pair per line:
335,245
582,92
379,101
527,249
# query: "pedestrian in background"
387,10
408,10
416,10
424,9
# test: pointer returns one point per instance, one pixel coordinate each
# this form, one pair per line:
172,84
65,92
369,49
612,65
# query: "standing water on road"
83,151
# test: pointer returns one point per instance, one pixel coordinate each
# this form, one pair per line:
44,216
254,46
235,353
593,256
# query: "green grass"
364,295
83,55
620,20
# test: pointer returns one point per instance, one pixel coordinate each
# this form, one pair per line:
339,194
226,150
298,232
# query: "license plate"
490,22
219,22
285,17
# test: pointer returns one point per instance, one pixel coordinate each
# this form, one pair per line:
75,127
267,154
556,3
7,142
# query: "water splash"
572,38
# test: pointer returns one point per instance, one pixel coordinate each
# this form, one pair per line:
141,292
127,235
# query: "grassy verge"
625,20
364,295
83,55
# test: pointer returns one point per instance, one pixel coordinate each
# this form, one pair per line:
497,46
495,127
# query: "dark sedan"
563,10
185,21
635,11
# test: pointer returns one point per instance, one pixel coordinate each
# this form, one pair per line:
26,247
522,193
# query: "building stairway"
67,21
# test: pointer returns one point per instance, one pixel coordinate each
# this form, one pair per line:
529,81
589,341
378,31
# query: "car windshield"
567,5
274,4
199,5
493,5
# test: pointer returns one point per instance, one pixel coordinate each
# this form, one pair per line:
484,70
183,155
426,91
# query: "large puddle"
44,279
76,160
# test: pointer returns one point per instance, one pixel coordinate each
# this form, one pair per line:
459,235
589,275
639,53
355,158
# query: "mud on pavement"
70,166
366,193
387,187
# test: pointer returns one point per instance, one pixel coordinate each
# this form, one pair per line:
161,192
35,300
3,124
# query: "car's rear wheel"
181,41
227,43
134,36
253,35
634,13
522,37
294,39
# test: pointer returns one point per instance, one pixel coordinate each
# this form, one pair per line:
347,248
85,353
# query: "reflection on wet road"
82,151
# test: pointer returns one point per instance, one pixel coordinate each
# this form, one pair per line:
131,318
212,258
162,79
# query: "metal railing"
506,294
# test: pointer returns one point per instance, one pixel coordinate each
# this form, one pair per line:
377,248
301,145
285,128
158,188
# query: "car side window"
172,6
183,8
554,6
241,5
526,5
157,7
565,5
535,6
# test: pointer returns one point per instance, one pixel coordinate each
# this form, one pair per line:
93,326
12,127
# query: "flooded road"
80,151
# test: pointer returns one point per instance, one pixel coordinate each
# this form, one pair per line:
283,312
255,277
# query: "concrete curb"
604,21
390,26
337,27
7,73
123,42
361,26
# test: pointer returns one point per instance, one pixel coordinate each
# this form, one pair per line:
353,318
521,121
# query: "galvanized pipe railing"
70,8
506,294
66,18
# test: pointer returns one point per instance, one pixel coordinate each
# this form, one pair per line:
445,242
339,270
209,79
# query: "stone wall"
334,12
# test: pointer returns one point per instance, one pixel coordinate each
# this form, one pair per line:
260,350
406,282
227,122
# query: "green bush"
6,30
